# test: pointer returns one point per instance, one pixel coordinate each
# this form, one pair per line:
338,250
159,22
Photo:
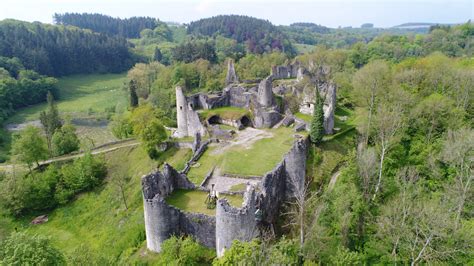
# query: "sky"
331,13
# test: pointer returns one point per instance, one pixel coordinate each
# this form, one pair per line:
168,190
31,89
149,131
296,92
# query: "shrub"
184,251
21,249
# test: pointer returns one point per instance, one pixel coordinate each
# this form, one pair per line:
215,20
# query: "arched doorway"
245,121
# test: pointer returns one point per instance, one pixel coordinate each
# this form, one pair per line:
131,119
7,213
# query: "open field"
194,201
86,100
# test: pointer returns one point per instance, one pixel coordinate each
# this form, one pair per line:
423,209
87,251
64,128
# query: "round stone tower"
181,111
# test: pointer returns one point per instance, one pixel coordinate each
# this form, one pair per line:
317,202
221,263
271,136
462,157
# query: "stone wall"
235,223
163,220
187,118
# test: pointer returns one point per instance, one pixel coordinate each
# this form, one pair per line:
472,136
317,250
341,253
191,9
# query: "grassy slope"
330,155
84,96
81,94
99,219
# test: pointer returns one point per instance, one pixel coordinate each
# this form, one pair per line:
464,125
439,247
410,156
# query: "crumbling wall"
265,92
163,220
231,76
235,223
188,119
287,71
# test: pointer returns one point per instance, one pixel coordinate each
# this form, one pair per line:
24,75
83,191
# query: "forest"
403,160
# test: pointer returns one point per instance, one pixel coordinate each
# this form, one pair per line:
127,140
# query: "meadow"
88,100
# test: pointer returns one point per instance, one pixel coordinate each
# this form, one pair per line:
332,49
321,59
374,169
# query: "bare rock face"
231,76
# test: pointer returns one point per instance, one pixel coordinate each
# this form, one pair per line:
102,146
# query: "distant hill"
127,28
259,35
414,25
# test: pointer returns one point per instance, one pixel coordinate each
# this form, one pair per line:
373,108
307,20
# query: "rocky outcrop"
231,76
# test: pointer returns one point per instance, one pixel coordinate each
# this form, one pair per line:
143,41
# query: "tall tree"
50,120
317,122
157,56
132,87
369,83
29,146
388,122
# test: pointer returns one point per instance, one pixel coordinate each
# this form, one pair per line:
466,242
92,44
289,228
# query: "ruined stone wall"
235,223
287,71
277,187
187,118
163,220
265,92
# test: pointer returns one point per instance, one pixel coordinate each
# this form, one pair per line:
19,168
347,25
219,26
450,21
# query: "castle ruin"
267,192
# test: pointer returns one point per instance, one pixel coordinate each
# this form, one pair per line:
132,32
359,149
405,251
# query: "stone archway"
245,121
213,120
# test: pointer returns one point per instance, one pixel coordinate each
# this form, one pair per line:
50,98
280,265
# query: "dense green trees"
20,88
127,28
42,191
58,50
50,120
259,35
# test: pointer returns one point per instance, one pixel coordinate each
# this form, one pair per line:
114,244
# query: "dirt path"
103,149
333,180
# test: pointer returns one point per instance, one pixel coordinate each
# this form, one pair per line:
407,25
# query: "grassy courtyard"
230,112
194,201
254,160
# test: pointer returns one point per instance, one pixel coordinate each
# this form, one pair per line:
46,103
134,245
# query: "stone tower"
265,93
188,119
231,76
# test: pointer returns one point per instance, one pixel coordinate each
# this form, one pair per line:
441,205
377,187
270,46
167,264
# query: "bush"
21,249
184,251
65,140
43,191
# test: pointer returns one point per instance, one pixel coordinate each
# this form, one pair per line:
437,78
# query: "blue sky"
332,13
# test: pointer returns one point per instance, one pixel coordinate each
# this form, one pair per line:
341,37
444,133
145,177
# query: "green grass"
231,113
304,117
238,187
194,201
181,156
81,95
326,159
257,160
304,48
98,219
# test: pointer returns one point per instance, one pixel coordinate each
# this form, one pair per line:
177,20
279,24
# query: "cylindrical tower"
181,111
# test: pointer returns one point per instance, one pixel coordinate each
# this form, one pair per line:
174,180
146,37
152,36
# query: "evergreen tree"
132,86
50,120
317,122
157,56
